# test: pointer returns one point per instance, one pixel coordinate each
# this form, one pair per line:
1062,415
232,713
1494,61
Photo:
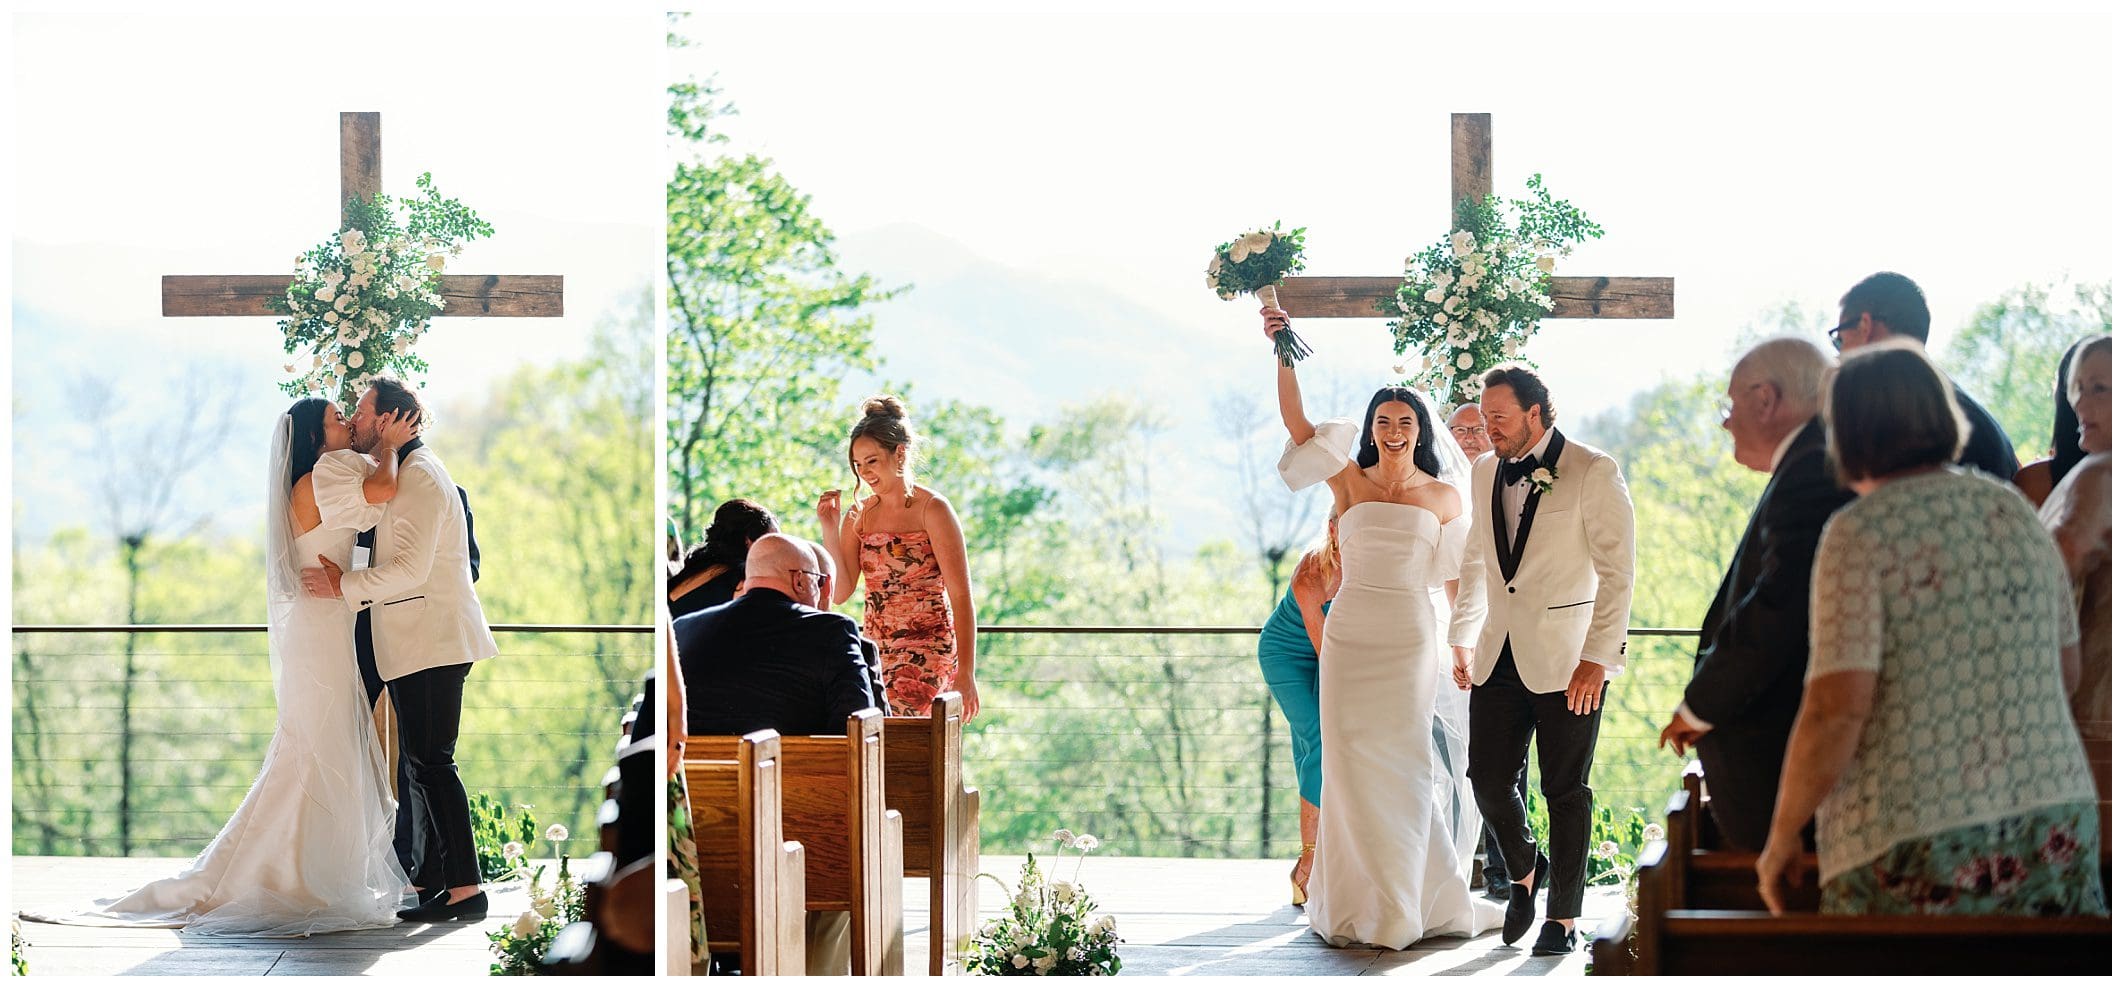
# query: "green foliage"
361,299
1472,300
1049,929
2007,356
18,948
1255,260
493,829
520,947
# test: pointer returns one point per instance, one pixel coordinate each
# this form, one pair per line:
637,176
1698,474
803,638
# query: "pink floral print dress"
906,612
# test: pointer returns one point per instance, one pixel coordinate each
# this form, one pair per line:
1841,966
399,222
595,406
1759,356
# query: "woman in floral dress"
905,542
1935,747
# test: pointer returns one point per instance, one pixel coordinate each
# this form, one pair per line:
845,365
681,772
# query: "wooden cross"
361,177
1576,298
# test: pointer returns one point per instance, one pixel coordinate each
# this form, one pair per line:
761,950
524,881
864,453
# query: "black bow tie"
1517,471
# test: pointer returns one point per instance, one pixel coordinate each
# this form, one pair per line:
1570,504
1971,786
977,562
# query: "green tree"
2007,356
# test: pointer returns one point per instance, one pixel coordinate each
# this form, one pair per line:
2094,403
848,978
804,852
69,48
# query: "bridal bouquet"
1050,929
1256,262
1472,300
361,299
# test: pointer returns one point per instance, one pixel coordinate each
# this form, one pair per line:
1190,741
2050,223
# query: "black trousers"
1493,866
1502,718
430,794
372,682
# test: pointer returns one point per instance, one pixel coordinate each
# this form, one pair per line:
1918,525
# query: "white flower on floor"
1085,842
1063,835
1018,961
1065,893
1654,831
556,833
1044,964
1608,848
527,924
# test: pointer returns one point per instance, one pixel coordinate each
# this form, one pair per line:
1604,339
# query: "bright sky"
152,145
1756,159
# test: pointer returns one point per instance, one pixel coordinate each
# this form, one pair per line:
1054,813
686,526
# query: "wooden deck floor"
1179,916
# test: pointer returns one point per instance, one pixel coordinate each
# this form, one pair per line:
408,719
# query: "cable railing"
142,739
1163,740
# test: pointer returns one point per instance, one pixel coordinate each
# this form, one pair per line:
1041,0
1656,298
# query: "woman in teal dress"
1290,662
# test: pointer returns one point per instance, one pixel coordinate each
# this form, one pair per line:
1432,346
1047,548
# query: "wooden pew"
941,818
833,801
1698,913
752,880
616,935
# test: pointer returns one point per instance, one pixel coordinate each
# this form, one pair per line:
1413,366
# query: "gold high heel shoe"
1297,890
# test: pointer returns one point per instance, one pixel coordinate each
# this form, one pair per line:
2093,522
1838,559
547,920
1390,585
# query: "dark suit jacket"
1989,448
1751,660
764,661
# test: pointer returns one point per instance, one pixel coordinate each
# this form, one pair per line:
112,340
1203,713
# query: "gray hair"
1796,367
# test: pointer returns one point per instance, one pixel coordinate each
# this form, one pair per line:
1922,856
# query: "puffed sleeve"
1452,545
1320,457
336,481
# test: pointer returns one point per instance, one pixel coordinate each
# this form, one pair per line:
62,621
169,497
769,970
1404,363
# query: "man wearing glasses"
770,658
1469,433
1888,304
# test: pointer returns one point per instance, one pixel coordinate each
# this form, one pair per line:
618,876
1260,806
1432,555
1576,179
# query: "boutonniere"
1544,479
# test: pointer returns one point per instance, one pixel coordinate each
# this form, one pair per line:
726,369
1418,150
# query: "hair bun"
886,406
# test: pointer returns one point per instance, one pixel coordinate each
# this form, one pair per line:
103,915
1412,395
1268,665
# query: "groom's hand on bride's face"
322,582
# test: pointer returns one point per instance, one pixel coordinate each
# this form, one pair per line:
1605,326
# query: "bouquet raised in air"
1255,263
1049,928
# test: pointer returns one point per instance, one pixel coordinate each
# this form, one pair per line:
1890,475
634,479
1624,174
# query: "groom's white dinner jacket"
418,588
1569,596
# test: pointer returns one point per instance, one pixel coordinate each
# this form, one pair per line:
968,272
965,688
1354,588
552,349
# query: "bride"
1397,824
309,849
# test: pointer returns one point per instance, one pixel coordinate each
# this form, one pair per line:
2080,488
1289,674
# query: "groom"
427,629
1537,630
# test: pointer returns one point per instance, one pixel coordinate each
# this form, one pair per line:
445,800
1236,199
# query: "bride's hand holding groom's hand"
1463,677
322,582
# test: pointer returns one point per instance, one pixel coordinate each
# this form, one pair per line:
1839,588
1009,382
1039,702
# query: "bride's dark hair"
1426,441
306,439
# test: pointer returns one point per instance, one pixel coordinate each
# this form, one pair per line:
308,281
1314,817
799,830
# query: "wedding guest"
1935,749
1473,438
683,861
772,659
2077,515
1468,431
905,543
1751,660
1888,306
714,566
1289,653
2039,478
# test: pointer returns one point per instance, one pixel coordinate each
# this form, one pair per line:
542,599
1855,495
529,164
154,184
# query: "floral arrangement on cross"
1474,299
361,300
1049,928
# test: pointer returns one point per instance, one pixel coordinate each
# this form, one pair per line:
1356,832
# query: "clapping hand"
1679,735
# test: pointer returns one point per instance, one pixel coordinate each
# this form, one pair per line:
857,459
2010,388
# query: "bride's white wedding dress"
309,849
1397,826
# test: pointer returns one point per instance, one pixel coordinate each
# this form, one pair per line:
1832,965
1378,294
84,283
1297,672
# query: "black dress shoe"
1554,940
439,909
1519,912
1500,888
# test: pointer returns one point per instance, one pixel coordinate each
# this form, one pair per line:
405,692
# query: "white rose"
1546,263
1435,295
1465,361
355,360
1511,348
435,262
1471,388
1239,252
1216,263
325,294
513,849
344,302
1227,296
401,345
1065,893
1463,243
290,368
331,316
1018,961
1076,953
1441,278
1211,282
1439,318
352,240
1105,924
545,908
1608,848
1455,304
527,924
1044,964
